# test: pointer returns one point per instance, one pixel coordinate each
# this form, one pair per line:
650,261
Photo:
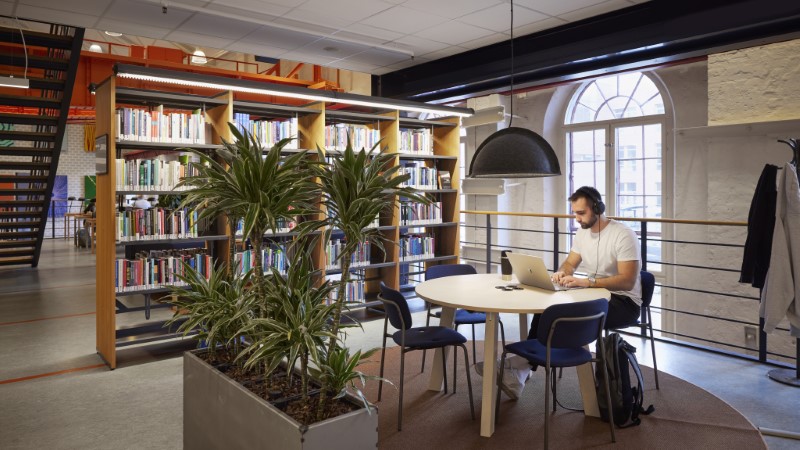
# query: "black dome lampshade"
514,153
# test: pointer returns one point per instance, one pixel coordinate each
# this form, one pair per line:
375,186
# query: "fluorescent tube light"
259,87
22,83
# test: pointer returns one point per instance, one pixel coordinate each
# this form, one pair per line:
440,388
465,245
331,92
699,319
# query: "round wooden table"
480,293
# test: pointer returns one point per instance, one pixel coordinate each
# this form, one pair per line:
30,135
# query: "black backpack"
626,400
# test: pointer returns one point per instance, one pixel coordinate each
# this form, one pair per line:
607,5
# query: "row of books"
361,136
413,213
134,124
150,174
354,292
273,256
268,132
159,269
417,247
416,141
333,251
156,223
284,226
422,177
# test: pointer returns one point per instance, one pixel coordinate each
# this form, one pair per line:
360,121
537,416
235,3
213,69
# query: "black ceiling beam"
655,32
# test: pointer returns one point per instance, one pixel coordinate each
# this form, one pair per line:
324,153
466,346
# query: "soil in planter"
305,411
279,389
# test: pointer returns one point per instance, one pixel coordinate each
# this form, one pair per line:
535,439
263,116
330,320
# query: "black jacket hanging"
760,225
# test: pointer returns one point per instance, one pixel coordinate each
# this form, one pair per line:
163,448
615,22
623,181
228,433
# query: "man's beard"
588,225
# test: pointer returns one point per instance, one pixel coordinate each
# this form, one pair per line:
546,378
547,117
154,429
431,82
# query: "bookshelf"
310,122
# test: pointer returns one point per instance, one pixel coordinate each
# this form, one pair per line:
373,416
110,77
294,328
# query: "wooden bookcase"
218,110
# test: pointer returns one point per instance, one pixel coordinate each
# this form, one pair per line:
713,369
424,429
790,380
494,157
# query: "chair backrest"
573,334
648,286
448,270
399,317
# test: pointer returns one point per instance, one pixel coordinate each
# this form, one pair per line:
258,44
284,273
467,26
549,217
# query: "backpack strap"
639,390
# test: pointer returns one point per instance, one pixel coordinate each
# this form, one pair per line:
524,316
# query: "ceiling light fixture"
259,87
113,33
199,57
96,48
10,81
514,152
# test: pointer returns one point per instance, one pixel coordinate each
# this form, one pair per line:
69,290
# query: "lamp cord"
511,31
24,48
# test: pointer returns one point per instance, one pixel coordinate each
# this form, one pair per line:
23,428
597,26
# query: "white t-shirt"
601,251
141,203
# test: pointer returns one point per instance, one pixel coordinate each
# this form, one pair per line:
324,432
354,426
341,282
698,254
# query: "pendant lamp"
514,152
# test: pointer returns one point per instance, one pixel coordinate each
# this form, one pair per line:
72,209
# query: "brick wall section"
757,84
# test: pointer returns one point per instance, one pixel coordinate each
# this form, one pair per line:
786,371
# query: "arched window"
614,135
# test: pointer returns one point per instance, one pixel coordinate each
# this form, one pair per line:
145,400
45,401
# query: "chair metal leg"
444,370
652,344
547,374
455,365
602,361
383,359
469,380
400,401
502,331
499,387
554,387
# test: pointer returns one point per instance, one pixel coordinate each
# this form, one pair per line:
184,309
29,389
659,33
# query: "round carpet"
685,417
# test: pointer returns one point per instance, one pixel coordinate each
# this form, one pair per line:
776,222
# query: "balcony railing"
698,300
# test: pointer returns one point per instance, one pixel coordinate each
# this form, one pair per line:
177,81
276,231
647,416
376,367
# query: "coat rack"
789,376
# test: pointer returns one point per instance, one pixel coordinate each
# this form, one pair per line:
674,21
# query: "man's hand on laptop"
570,281
558,277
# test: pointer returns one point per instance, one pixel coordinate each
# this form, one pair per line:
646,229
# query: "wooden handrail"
630,219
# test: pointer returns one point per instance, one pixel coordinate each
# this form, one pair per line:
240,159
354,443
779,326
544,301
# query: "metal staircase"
34,121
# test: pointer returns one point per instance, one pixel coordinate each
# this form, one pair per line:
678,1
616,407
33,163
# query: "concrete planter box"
219,413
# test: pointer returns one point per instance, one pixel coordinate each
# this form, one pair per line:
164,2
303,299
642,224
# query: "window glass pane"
653,106
617,105
591,97
652,168
653,211
632,110
629,142
645,91
605,113
652,141
600,144
582,146
628,82
583,173
582,114
608,86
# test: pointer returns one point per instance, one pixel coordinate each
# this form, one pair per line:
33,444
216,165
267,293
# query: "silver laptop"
531,271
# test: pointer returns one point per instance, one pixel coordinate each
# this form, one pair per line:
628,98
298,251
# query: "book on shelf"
444,180
135,124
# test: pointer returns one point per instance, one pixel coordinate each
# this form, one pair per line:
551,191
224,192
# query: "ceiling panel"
221,27
595,10
146,14
451,9
484,41
378,57
7,8
403,20
421,46
454,32
556,7
55,16
349,11
260,49
367,33
279,38
88,7
197,39
333,49
498,17
132,28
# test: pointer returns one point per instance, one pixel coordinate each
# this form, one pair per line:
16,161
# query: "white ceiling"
372,36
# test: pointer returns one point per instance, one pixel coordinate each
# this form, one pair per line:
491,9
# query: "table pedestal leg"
489,394
588,390
523,327
437,377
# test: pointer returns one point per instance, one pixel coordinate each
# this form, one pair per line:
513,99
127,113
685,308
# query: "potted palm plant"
287,319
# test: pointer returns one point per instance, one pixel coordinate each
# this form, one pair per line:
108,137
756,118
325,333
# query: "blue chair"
462,316
563,332
648,287
419,338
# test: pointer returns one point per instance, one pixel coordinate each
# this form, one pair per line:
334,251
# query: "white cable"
24,48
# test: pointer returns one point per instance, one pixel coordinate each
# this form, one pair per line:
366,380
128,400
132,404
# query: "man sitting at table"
609,252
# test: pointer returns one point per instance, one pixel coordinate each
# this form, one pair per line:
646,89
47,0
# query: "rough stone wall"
756,84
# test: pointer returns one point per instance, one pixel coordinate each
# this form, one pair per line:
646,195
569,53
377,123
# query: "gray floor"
47,326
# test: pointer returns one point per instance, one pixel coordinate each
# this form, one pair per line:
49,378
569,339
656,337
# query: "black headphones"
598,207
